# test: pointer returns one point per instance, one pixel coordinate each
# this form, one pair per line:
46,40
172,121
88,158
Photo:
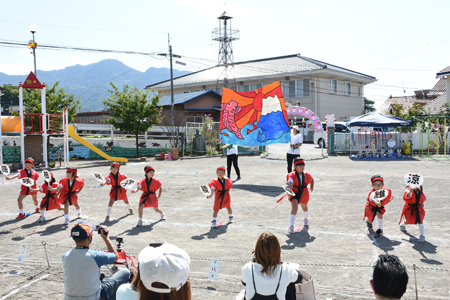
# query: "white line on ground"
24,286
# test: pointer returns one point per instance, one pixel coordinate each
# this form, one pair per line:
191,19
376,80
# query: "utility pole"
171,55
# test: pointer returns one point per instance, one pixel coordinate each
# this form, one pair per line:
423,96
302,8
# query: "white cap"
166,264
295,127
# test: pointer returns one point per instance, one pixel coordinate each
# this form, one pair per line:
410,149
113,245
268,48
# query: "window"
288,88
333,86
244,88
360,91
303,88
194,119
254,87
347,88
233,88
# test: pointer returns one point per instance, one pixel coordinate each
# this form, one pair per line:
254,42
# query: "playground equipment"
34,129
82,141
434,140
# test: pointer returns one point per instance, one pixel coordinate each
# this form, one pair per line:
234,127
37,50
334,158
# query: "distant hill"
91,82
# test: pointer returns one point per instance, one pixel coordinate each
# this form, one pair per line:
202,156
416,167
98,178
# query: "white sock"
162,214
422,229
22,212
37,206
129,205
214,219
140,219
230,215
109,211
79,211
42,213
403,223
380,224
306,214
292,219
67,216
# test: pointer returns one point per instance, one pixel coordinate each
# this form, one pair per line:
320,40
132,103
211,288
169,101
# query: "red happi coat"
304,197
66,194
222,193
414,214
51,200
24,190
371,206
148,197
117,192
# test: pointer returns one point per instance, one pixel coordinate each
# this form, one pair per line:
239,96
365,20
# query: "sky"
401,43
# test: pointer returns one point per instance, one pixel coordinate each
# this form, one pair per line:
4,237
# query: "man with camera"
82,266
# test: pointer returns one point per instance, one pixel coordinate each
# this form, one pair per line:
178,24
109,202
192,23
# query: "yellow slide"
82,141
11,124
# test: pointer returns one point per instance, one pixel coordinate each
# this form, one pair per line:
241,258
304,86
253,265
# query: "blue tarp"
376,119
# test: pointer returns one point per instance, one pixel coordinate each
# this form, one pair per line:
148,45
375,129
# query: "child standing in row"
413,210
298,181
50,200
117,192
149,185
221,187
374,207
70,187
25,191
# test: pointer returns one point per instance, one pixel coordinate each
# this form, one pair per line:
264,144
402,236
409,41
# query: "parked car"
320,139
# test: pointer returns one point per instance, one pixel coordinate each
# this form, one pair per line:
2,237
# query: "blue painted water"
271,129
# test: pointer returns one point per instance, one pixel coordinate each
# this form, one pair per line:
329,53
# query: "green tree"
56,99
414,111
368,105
134,110
10,95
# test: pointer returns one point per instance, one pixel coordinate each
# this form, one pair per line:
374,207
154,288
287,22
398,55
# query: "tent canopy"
376,119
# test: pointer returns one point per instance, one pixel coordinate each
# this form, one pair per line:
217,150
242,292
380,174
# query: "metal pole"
437,137
428,139
44,125
45,248
171,85
34,54
22,126
1,140
445,138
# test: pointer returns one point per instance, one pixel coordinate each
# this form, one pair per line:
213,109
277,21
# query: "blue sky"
401,43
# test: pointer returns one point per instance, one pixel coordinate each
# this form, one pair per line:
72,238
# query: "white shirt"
295,139
233,150
126,292
267,285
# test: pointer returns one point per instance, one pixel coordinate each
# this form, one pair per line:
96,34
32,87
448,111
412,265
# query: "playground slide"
82,141
10,124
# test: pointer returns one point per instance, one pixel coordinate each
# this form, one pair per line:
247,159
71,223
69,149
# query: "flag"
255,118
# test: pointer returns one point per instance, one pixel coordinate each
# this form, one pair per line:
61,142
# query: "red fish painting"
230,110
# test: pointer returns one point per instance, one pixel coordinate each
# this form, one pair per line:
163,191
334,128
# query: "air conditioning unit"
204,87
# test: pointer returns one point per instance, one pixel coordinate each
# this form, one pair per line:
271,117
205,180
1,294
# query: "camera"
100,230
119,239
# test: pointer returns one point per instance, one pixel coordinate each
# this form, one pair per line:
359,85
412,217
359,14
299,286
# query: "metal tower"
225,35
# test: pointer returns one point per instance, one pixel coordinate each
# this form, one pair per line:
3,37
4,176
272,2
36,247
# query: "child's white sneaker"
306,222
291,229
139,223
402,228
213,224
163,216
66,221
421,239
230,219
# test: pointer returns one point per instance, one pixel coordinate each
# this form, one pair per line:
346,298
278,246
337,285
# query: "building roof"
183,98
439,88
283,65
406,101
435,105
103,112
443,72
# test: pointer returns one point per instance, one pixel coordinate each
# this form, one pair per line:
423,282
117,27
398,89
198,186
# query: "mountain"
91,82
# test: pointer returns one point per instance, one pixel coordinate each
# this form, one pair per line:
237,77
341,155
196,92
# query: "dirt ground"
337,248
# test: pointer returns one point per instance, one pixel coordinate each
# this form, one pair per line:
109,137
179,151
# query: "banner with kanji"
255,118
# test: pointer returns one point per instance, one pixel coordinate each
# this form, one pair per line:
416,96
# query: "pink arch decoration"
303,111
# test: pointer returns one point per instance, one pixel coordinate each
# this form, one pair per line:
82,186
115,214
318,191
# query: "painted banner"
305,112
255,118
